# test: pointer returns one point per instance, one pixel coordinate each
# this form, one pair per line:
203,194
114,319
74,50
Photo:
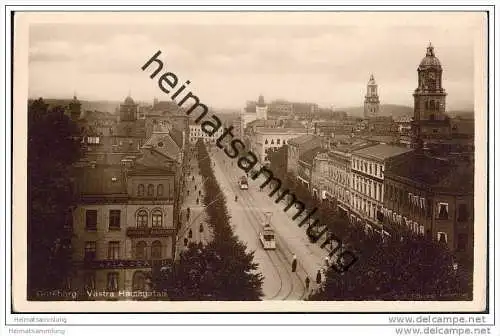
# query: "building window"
156,250
462,213
140,190
91,220
90,251
159,190
142,218
114,219
89,281
462,242
139,281
272,141
140,250
157,218
442,237
151,190
442,211
114,250
112,285
278,141
266,142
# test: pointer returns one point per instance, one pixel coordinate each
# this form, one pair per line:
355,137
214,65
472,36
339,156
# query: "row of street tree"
406,267
53,146
221,270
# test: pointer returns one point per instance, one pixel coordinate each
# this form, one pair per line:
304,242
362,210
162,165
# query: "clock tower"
430,122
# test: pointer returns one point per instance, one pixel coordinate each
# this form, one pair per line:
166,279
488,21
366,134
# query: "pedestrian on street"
195,187
192,178
190,235
197,201
308,281
188,192
318,277
294,263
199,192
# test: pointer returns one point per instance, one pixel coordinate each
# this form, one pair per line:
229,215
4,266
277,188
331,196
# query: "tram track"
282,260
276,265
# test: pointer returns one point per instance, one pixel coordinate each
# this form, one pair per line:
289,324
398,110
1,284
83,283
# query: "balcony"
143,232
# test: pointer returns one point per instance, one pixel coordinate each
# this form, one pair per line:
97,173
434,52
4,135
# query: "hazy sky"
228,64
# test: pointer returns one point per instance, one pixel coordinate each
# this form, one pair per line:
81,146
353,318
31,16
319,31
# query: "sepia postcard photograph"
250,161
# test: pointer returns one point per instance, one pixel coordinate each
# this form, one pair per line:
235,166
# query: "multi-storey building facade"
367,179
432,197
165,115
331,178
264,140
123,227
196,133
297,147
305,166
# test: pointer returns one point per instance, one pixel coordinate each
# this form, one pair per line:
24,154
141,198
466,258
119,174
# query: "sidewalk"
197,215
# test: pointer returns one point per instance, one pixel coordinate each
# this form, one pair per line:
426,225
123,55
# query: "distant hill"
461,114
396,111
102,106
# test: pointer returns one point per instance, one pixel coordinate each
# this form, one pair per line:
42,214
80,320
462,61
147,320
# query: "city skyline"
102,62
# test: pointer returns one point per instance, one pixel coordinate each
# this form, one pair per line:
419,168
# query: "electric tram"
267,236
243,182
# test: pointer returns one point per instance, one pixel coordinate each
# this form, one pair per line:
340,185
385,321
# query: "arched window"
140,250
267,142
159,190
142,218
157,218
156,250
431,105
151,190
140,190
272,141
139,281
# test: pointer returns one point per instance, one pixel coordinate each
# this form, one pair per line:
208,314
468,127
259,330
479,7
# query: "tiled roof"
134,129
381,152
435,172
308,156
176,136
148,171
303,139
280,130
293,123
164,144
101,180
352,147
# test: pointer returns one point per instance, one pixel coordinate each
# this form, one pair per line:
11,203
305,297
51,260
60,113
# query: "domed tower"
75,108
372,102
261,108
128,110
430,122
